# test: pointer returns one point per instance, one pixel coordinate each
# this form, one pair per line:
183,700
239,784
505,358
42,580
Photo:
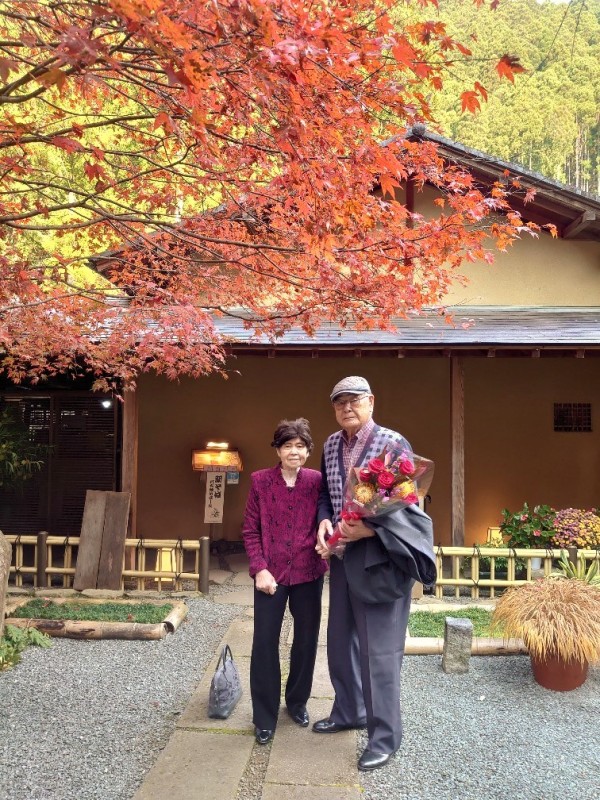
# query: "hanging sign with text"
215,492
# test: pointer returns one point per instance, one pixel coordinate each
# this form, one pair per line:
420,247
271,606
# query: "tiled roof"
479,326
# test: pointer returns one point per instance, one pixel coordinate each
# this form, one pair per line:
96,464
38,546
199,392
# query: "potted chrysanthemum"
558,620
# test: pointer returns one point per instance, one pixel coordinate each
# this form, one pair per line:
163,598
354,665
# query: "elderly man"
370,586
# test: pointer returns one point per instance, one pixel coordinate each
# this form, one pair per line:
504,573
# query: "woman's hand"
325,530
265,582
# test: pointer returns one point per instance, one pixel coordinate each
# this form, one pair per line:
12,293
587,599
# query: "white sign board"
215,492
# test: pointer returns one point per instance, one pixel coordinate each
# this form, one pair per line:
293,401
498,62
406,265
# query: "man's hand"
265,582
325,530
353,529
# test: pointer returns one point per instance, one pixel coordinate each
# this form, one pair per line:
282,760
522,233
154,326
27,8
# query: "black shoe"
327,726
300,716
263,736
370,760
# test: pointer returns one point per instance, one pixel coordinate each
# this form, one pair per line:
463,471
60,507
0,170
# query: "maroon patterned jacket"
280,526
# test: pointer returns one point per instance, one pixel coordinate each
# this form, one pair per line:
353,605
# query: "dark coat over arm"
385,566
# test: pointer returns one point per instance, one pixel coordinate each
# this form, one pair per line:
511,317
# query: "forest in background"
548,120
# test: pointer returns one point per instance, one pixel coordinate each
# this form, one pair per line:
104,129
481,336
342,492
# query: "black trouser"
265,669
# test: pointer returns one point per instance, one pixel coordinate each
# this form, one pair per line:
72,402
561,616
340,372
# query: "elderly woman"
280,534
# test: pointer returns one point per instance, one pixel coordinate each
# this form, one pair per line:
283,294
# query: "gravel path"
85,720
492,734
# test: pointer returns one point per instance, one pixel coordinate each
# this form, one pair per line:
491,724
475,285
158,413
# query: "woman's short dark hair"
292,429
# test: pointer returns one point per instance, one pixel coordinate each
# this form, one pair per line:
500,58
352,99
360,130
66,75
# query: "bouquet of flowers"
394,479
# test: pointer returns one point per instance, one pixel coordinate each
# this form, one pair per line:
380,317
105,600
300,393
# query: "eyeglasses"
353,402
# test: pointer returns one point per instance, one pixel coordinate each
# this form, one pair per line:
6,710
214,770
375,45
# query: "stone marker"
5,559
458,639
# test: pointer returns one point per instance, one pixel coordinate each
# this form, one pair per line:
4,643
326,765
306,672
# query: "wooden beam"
578,225
129,456
457,432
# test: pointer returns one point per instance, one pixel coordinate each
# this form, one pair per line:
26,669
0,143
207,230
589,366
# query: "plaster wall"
411,395
534,271
512,454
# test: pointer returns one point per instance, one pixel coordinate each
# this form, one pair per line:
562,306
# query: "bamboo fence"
39,559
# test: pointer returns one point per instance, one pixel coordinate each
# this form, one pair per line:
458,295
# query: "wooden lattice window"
573,417
79,430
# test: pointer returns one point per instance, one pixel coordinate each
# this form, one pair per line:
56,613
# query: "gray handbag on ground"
225,687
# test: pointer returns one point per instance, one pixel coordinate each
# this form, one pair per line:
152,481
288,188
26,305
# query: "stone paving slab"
218,576
197,765
240,597
242,579
279,791
239,638
196,716
318,759
321,683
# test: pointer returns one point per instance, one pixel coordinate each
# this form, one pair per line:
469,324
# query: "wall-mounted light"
216,457
106,403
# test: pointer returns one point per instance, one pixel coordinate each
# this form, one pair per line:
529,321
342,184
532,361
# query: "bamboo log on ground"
89,629
176,616
430,646
78,629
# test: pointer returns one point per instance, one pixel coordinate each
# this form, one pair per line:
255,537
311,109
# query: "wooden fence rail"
36,560
39,559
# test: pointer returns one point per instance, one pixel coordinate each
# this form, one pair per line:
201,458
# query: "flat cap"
351,385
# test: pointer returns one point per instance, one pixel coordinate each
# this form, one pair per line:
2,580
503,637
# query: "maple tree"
220,157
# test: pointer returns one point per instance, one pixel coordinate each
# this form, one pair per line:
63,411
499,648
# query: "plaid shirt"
351,447
334,469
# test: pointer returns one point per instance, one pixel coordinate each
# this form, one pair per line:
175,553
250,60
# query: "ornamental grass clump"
555,619
574,527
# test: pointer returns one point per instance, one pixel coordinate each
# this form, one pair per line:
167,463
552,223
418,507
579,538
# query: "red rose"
407,467
385,479
411,498
376,466
365,475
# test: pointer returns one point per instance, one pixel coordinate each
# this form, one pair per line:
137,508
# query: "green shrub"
528,527
15,640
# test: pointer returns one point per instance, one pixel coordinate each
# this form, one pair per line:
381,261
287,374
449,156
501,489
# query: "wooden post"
129,456
457,421
42,559
204,563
